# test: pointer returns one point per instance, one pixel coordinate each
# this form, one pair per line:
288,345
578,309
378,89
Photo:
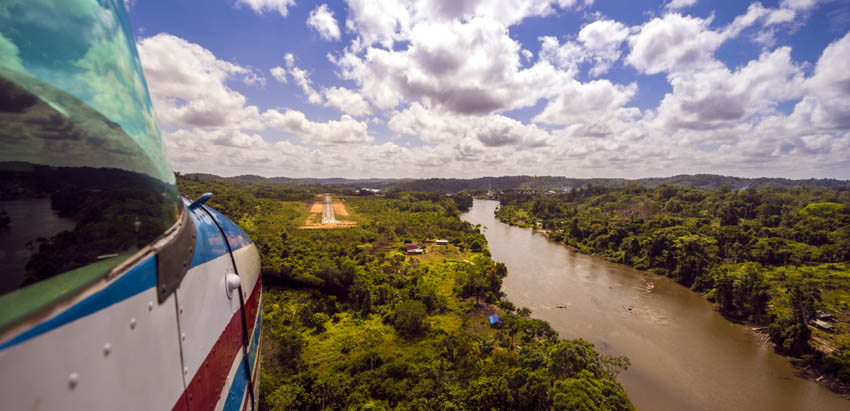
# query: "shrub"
409,318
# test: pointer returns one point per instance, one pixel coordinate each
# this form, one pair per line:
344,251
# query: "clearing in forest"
336,217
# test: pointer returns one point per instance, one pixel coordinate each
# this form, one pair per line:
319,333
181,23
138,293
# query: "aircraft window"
84,178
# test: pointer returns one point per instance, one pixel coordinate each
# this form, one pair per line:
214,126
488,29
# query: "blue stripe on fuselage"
140,278
209,245
235,236
255,339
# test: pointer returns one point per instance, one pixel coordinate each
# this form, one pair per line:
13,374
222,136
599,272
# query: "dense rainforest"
778,257
482,185
350,322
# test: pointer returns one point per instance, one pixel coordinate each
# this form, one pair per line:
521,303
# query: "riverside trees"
349,322
774,256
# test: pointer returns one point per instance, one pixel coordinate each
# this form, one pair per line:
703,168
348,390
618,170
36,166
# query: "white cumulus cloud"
279,74
441,84
302,78
439,126
603,40
719,97
679,4
322,20
347,101
466,67
263,6
346,130
673,43
188,84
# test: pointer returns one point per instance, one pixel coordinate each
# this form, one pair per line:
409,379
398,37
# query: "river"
684,355
30,219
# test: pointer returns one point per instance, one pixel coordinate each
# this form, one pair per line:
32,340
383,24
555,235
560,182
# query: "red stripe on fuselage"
208,383
251,308
256,371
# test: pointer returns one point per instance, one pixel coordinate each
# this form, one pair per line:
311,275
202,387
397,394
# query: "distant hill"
545,183
379,183
712,181
536,183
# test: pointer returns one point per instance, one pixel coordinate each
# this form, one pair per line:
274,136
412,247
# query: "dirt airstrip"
314,220
339,210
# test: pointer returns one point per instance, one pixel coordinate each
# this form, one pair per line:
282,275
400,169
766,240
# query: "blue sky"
480,87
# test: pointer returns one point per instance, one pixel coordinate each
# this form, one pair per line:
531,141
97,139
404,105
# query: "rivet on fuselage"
73,379
150,305
107,348
132,323
183,336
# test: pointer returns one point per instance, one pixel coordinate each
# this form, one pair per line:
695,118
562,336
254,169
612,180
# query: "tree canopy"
773,256
351,322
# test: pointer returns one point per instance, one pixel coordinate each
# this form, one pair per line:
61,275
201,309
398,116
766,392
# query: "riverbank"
684,354
384,330
360,325
813,371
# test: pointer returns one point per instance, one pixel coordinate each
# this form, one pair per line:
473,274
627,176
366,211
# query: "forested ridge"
779,257
556,184
351,322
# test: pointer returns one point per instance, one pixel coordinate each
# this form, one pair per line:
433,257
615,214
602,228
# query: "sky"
468,88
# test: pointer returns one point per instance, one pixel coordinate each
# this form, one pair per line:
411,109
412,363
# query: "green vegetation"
350,322
774,256
529,183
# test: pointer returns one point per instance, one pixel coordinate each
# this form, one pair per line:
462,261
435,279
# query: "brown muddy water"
684,355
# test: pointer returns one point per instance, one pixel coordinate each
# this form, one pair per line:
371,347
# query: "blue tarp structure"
494,320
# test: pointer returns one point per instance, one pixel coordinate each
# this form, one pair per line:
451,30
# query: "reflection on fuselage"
28,219
91,190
